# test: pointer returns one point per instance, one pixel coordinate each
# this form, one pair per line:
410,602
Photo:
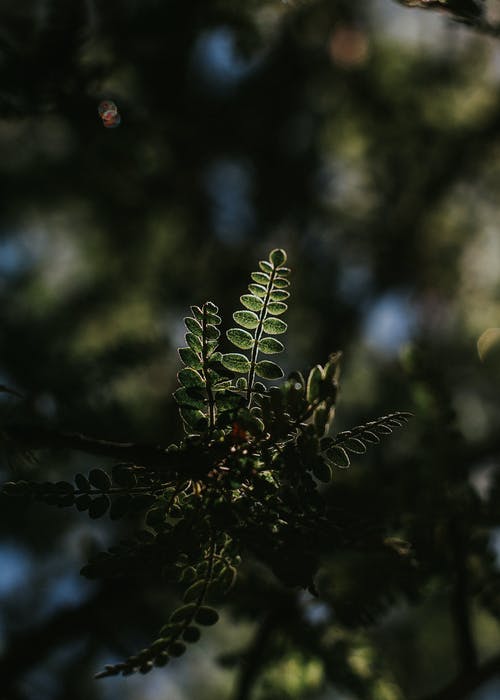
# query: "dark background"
365,139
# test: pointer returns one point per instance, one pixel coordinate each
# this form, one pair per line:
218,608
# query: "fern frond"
203,375
258,323
356,440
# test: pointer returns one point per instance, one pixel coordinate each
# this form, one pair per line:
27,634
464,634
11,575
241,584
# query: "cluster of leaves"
244,480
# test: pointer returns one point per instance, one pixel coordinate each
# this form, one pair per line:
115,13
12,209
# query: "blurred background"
363,137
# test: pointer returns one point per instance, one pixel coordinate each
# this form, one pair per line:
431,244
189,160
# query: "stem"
210,395
258,334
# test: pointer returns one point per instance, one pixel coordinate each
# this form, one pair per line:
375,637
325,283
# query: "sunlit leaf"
276,308
257,290
242,339
339,457
236,362
266,266
197,313
191,378
211,332
184,398
261,278
190,358
195,419
193,326
194,342
270,346
246,319
252,303
279,295
277,257
274,326
314,384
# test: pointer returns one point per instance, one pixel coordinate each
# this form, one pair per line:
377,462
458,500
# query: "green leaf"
190,358
211,307
241,383
82,502
279,295
162,659
194,342
197,313
270,346
242,339
268,370
171,630
191,378
206,616
277,257
314,383
99,479
211,347
339,457
260,278
266,266
82,482
236,362
276,308
99,506
193,326
251,302
281,283
257,290
193,592
274,326
246,319
183,613
211,332
176,649
189,399
194,418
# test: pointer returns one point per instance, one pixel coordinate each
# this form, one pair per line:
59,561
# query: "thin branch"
154,456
